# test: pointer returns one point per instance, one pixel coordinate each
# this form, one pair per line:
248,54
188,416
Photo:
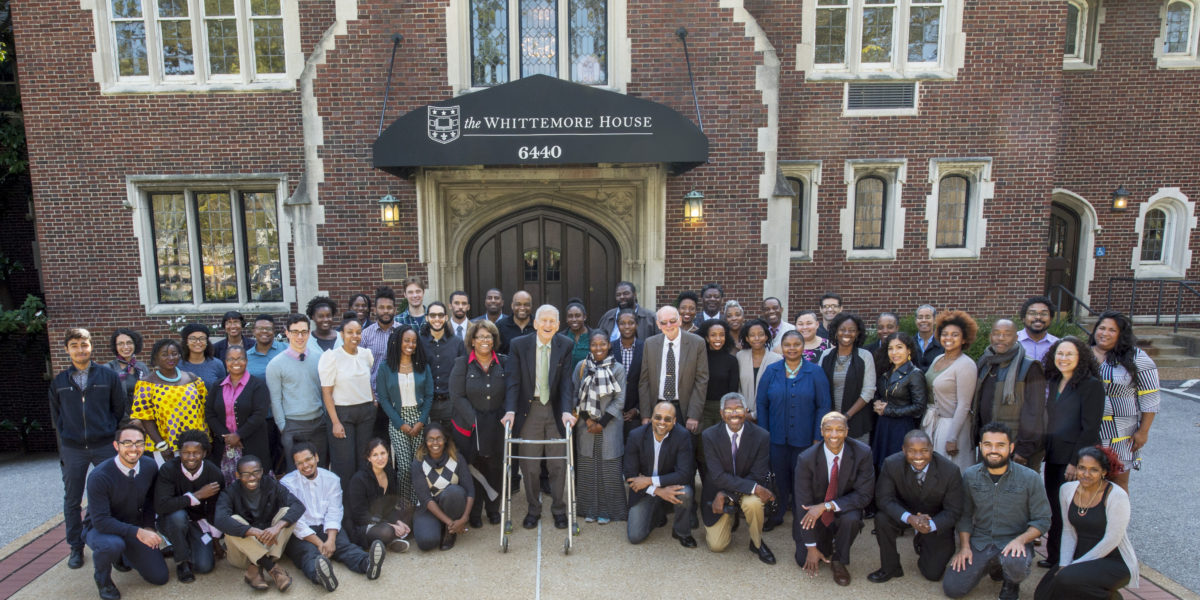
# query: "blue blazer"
387,388
791,409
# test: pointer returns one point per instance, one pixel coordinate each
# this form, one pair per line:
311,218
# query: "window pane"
489,42
222,37
1153,231
830,44
797,213
175,28
130,32
924,30
268,45
1179,28
263,266
1072,44
172,255
877,32
214,220
588,21
869,213
553,264
531,265
264,8
539,38
952,212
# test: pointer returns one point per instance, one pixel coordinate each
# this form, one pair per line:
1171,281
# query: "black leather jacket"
904,391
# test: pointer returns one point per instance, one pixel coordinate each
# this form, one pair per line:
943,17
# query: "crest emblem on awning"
443,123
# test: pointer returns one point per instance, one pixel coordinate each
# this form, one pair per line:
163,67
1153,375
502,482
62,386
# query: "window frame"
105,59
1087,44
1176,252
981,189
950,48
808,173
1179,60
893,172
139,189
459,50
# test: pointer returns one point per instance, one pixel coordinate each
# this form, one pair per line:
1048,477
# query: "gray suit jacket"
691,375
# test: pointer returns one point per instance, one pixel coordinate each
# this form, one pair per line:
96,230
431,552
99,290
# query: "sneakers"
398,545
377,552
603,520
589,519
325,575
76,559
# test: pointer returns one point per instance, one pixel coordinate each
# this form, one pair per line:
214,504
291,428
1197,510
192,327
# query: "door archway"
554,255
1071,215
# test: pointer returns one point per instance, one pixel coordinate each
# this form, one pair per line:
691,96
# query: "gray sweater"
295,387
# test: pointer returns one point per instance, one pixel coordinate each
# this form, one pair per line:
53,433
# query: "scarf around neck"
990,360
598,382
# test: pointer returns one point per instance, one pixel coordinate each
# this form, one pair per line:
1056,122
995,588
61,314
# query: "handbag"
229,463
930,420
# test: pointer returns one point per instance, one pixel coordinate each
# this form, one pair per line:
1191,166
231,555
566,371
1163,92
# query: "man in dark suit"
737,458
660,466
675,370
538,406
834,483
185,498
627,300
628,350
920,489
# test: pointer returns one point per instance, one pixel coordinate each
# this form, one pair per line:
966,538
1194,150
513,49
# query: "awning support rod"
682,33
396,39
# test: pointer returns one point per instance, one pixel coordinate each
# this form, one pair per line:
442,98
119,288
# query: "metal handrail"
1072,317
1183,285
1180,286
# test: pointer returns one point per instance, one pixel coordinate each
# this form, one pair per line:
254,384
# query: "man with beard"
1036,313
1005,511
772,313
493,305
1011,389
441,350
627,300
519,323
375,338
460,305
185,498
712,303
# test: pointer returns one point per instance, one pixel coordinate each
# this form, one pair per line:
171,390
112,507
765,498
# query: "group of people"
347,440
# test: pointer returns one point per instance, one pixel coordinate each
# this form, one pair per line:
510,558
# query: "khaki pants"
718,535
243,551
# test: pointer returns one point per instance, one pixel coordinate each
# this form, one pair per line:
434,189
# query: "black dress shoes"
184,572
686,541
120,566
530,522
107,590
448,541
1045,563
764,553
881,576
493,518
560,521
76,559
475,522
771,524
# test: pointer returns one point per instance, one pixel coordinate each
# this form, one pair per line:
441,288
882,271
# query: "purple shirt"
1035,349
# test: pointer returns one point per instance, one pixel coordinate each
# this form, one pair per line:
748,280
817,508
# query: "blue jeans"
74,463
304,553
957,584
108,548
648,509
187,538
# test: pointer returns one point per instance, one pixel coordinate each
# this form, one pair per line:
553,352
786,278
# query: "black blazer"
754,462
855,485
250,410
904,391
172,485
676,459
1073,419
478,406
897,492
925,358
633,374
521,379
232,501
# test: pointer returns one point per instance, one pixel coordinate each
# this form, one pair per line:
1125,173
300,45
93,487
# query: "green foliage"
29,318
24,430
13,160
9,266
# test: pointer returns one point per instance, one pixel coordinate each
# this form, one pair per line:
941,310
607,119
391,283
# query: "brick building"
190,157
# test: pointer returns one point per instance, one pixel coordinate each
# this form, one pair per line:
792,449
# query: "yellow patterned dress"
173,408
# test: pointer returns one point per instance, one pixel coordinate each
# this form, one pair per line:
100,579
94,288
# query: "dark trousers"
315,431
783,464
427,529
957,584
834,540
74,463
539,425
382,531
648,510
108,548
1054,476
442,411
1099,579
492,468
347,455
304,553
188,541
937,547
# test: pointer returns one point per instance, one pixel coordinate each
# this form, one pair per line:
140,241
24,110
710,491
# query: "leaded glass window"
558,38
266,22
878,17
1179,28
797,238
175,31
129,32
172,253
220,21
1076,29
953,194
489,42
870,211
1154,232
924,30
831,31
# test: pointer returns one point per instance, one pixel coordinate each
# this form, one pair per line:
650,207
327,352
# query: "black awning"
540,120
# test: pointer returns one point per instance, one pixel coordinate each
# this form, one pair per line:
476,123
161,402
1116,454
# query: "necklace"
178,376
1082,510
790,371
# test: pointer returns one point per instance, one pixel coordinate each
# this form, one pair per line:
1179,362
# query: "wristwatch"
829,506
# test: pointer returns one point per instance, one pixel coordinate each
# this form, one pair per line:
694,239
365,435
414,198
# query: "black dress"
723,378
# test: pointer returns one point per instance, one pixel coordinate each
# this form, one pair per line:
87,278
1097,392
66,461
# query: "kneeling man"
737,459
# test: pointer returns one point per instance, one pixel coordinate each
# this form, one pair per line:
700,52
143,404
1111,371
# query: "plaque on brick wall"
540,120
395,271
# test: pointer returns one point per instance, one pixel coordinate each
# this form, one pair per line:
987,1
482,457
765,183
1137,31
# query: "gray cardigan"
613,440
749,383
1116,510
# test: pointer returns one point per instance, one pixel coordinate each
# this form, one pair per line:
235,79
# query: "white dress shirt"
662,377
322,499
654,481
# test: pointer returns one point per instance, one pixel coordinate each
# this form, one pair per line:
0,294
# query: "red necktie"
831,493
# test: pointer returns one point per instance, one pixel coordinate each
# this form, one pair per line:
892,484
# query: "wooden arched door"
1062,257
551,254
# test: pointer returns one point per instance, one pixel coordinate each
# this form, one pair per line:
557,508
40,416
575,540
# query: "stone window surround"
1093,17
1181,221
137,188
809,173
978,172
894,172
1191,60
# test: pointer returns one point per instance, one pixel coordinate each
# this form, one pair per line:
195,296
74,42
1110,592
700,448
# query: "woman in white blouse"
346,387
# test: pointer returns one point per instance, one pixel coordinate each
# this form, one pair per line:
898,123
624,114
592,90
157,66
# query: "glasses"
132,444
824,306
300,332
662,419
197,340
669,322
125,344
734,411
1038,313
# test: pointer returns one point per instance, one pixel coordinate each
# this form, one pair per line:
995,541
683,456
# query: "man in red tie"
834,482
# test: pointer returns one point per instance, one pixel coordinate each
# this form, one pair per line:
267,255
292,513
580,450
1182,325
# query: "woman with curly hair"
950,381
1074,405
1131,386
321,311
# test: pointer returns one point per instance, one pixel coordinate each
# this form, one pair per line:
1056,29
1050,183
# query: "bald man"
674,370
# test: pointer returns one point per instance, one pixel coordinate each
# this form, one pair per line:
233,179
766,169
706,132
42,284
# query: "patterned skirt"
404,449
600,485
